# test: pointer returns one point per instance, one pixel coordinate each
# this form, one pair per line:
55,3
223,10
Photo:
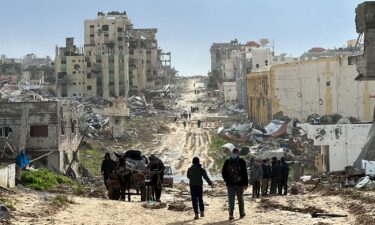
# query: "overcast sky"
187,28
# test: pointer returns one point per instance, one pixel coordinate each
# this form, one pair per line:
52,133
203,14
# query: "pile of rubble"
272,140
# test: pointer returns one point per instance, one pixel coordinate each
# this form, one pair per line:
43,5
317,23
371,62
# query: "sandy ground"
32,208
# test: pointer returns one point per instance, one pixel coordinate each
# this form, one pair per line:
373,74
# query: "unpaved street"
182,144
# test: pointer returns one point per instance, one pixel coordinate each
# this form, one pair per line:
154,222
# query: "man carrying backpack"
234,173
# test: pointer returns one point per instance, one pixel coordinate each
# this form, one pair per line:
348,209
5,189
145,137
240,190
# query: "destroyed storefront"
46,129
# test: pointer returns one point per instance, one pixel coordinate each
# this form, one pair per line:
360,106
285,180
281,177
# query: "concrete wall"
324,86
8,175
341,143
229,90
63,135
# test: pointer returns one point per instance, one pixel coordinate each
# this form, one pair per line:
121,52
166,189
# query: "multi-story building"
323,86
118,59
70,66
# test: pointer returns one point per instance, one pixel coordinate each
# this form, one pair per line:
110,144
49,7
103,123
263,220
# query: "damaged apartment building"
322,86
233,61
117,59
45,130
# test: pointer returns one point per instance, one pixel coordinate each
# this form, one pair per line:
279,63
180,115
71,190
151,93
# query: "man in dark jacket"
156,168
195,174
234,173
108,167
265,177
276,174
284,176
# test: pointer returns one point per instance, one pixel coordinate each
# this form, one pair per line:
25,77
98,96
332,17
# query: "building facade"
40,128
324,86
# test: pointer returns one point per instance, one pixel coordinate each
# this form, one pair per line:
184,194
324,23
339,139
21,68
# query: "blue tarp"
22,160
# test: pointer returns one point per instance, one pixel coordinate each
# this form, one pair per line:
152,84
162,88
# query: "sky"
186,28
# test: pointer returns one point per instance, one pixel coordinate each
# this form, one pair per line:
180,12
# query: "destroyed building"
46,129
340,144
323,86
117,60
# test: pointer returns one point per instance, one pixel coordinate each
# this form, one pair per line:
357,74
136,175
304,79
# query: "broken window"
74,83
119,39
328,83
266,62
39,131
4,131
89,88
105,28
63,62
257,66
88,75
91,26
91,35
119,29
77,66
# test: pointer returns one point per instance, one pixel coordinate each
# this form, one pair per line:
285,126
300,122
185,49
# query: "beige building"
324,86
70,66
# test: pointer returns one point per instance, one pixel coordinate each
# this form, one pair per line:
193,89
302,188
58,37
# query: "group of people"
265,174
155,166
235,175
266,178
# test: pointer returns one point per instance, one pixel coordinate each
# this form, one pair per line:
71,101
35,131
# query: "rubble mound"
154,205
178,206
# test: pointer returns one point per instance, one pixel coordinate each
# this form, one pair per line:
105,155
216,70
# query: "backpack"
234,170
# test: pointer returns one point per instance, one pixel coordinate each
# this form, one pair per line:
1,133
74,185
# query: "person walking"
156,167
195,174
184,123
284,175
266,173
256,173
199,123
108,167
234,173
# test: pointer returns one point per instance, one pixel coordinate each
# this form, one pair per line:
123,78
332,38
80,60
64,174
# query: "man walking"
266,173
234,173
256,173
195,174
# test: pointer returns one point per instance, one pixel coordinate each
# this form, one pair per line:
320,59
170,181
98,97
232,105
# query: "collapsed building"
117,60
47,131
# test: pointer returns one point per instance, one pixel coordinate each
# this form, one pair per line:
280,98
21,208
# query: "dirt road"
32,209
182,144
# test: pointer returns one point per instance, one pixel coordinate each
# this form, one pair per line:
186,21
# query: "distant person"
199,123
298,172
156,168
234,173
189,116
284,176
256,173
184,123
108,167
195,174
266,173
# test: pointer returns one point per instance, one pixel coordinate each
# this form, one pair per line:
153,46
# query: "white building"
340,144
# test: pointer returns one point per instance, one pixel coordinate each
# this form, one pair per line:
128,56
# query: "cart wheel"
143,193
